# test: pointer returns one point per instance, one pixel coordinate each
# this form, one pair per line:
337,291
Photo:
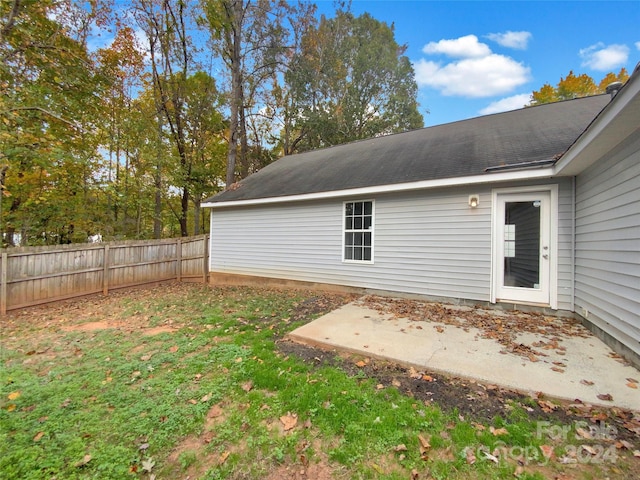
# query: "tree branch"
42,110
11,20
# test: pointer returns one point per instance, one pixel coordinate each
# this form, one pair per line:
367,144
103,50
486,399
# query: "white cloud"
638,45
601,57
475,70
463,47
473,77
506,104
509,39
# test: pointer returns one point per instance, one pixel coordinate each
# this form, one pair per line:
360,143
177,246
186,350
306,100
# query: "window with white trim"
358,231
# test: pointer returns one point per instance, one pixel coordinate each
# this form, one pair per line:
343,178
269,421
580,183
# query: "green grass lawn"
187,381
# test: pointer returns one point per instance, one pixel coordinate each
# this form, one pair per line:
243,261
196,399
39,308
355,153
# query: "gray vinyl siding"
424,243
607,271
427,242
565,244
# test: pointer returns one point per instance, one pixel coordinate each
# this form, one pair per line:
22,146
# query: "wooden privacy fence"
35,275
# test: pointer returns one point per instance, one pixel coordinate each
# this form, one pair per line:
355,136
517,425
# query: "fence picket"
35,275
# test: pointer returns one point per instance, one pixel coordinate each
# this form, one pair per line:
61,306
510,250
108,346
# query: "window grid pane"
358,237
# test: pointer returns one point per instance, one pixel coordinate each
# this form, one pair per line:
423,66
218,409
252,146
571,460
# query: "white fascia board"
398,187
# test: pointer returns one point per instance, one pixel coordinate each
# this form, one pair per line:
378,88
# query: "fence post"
3,284
179,259
205,270
105,271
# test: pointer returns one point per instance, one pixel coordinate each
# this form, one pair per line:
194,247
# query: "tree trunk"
196,215
234,40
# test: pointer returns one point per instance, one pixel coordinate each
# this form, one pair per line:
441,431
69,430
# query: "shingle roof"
456,149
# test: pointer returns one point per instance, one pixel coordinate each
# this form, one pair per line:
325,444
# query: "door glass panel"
522,244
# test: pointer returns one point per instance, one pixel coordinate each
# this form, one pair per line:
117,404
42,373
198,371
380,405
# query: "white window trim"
553,190
372,230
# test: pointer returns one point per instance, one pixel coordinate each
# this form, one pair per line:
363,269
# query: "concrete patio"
564,366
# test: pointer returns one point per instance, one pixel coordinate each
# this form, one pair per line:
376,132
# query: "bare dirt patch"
319,469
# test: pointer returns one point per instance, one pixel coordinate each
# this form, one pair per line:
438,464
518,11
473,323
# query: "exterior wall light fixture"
474,200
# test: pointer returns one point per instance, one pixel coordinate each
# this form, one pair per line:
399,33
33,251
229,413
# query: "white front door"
522,247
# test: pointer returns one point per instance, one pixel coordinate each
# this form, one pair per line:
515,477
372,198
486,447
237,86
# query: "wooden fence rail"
35,275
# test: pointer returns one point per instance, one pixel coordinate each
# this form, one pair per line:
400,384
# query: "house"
535,207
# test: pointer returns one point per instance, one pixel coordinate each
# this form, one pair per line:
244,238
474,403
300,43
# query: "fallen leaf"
425,446
547,406
470,456
605,397
361,364
582,433
557,369
395,383
11,407
589,449
624,444
144,358
38,436
632,385
488,456
533,358
247,386
206,398
586,382
428,378
379,386
498,431
632,380
479,427
174,349
400,448
518,471
547,451
86,459
148,464
636,453
289,421
13,395
223,457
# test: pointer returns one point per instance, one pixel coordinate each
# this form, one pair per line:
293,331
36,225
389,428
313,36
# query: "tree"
350,81
575,86
49,105
122,63
171,53
252,39
206,145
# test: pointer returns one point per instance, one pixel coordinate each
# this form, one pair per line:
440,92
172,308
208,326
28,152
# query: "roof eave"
619,119
499,177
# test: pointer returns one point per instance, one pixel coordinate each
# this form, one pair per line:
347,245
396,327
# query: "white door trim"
496,260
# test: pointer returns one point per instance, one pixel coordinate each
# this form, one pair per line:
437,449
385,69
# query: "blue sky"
478,57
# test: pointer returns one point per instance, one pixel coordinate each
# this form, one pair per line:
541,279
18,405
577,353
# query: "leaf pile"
498,325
